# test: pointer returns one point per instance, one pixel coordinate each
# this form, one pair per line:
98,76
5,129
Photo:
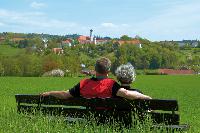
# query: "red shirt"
95,88
100,88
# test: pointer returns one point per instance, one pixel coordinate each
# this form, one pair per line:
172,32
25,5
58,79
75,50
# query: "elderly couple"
103,87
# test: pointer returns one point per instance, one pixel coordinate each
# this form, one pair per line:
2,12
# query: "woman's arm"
58,94
131,94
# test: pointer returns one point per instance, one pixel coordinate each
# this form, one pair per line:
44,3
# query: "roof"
135,41
83,38
101,40
85,41
17,39
66,41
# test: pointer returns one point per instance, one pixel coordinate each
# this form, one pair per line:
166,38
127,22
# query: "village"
46,44
81,39
92,39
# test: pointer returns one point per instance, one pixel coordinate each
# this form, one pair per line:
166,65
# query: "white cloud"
33,22
112,25
109,25
37,5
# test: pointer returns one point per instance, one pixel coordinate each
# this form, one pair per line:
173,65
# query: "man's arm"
58,94
131,94
73,92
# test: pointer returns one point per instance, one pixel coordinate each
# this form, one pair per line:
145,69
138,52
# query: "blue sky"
152,19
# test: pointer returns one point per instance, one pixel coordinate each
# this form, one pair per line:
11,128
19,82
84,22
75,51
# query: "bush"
152,72
140,72
54,73
147,72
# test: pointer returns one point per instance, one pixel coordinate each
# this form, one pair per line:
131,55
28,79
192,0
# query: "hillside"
7,50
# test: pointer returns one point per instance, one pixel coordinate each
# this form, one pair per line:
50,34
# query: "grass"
7,50
183,88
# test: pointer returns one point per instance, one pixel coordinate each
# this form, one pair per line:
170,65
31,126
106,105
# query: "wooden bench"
163,113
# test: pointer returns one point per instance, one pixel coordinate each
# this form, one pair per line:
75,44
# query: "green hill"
7,50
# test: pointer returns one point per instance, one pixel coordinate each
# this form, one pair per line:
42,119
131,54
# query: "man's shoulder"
96,79
85,80
110,80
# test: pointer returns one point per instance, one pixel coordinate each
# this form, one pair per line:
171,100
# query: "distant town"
34,54
22,40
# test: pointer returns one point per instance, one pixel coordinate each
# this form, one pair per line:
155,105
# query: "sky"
155,20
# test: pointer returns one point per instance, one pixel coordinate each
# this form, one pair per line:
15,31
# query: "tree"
11,67
52,43
125,38
23,43
198,46
37,41
51,62
186,47
1,69
196,68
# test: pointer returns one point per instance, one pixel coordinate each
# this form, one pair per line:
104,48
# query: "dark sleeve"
115,89
75,91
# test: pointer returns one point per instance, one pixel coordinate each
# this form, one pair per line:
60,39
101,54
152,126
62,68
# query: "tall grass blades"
183,88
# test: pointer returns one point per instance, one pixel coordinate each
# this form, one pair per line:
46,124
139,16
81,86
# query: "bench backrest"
81,106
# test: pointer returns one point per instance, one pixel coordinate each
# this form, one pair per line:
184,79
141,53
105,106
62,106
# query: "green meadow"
186,89
7,50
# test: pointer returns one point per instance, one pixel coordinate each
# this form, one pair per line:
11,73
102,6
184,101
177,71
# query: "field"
186,89
7,50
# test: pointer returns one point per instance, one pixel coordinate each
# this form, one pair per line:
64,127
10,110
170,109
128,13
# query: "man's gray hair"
125,73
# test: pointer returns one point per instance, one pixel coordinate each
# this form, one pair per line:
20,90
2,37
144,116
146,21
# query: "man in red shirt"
98,87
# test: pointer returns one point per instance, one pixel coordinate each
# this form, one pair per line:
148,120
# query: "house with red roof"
88,40
67,42
100,41
84,40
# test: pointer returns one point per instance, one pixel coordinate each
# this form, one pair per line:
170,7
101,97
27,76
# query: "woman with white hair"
125,74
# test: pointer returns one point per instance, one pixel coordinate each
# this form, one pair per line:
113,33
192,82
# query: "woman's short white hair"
126,73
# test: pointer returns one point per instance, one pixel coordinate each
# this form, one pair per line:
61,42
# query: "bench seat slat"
182,127
154,104
167,118
166,105
49,100
53,110
32,99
